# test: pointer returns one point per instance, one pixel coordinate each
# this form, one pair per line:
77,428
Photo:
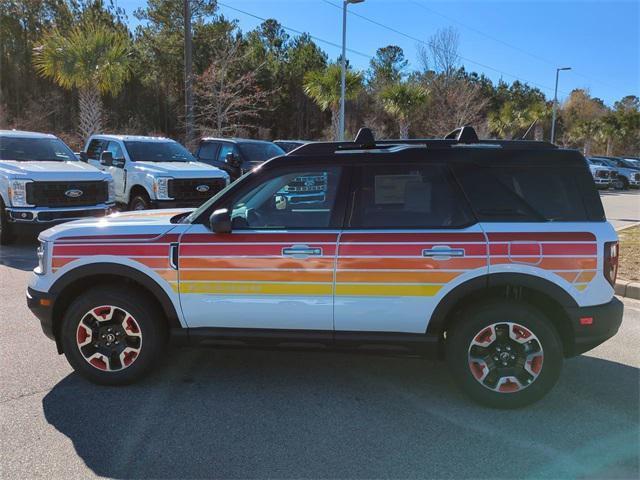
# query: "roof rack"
462,136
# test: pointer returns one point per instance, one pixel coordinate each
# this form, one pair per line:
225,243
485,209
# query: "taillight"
611,262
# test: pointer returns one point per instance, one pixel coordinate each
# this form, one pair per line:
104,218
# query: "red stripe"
533,249
151,238
412,250
240,250
542,236
569,249
121,250
412,237
285,237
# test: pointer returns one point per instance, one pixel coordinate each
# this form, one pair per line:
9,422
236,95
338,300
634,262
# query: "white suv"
153,171
42,183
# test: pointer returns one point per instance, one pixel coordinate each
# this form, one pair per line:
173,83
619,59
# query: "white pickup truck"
153,172
42,183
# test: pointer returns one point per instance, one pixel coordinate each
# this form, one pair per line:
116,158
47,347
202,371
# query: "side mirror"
232,160
106,159
82,156
220,221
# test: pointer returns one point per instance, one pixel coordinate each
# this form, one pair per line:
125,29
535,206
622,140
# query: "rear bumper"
604,324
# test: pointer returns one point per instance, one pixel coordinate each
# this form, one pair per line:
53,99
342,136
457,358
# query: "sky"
504,39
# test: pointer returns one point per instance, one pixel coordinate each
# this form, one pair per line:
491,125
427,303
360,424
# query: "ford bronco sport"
43,183
153,171
493,255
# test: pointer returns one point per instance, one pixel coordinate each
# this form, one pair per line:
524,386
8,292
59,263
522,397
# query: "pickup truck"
42,183
153,172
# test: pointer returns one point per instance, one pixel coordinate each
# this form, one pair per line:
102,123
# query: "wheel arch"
540,293
138,188
82,278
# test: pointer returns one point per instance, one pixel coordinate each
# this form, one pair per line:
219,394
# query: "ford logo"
74,193
202,188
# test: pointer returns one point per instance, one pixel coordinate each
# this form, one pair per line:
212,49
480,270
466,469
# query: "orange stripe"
252,263
169,275
256,276
411,263
61,262
153,262
396,277
585,277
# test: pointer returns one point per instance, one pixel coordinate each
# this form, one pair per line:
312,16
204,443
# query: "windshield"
158,152
260,152
24,149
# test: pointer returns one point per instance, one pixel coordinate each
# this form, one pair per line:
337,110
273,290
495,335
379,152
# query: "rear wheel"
504,354
6,235
113,336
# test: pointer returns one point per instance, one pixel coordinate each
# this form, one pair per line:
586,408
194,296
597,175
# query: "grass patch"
629,268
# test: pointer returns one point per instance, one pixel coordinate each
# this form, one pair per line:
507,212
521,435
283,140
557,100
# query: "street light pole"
343,77
188,80
555,104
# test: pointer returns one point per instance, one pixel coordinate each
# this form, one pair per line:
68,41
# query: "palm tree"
536,115
92,58
323,87
402,101
506,121
608,131
585,131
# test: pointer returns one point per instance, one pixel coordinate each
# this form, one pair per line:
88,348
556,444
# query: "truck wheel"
504,354
112,335
622,183
140,202
6,236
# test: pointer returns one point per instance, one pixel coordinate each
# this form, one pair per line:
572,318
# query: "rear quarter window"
530,190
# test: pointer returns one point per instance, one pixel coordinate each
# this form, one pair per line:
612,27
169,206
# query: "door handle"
301,251
443,253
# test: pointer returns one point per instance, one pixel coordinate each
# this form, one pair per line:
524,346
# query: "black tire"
624,183
6,235
140,201
149,321
467,329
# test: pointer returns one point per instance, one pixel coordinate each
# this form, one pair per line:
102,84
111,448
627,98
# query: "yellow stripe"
387,290
242,288
581,287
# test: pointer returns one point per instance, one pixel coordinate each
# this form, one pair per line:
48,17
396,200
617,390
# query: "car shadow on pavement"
264,414
20,255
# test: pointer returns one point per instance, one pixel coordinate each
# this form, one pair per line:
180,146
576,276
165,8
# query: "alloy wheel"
505,357
109,338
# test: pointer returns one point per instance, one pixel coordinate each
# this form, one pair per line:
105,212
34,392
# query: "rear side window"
407,196
96,147
525,193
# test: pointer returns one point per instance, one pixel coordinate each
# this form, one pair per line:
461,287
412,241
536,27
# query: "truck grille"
307,183
195,188
602,174
67,194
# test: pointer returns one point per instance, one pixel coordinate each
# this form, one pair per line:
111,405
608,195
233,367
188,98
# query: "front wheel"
504,354
140,202
113,336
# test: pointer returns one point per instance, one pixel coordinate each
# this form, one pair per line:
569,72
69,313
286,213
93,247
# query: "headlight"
42,252
112,191
161,188
18,193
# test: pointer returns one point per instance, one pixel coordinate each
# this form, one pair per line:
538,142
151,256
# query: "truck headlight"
111,189
42,253
18,193
161,188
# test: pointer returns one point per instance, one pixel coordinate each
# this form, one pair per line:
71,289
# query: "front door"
275,269
408,240
119,173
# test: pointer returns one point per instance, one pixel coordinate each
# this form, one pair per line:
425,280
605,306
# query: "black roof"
233,140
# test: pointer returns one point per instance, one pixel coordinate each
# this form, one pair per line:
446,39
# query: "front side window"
226,149
289,200
155,151
24,149
406,196
116,150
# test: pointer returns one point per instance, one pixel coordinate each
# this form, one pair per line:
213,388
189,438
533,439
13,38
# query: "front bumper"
604,324
41,305
48,217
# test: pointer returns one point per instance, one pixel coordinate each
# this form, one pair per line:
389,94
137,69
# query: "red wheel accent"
535,364
477,370
485,335
520,332
98,363
83,334
509,386
132,326
129,357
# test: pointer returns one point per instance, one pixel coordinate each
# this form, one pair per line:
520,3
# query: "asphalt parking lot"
257,414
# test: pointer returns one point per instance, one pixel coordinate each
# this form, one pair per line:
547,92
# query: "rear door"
408,239
275,269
